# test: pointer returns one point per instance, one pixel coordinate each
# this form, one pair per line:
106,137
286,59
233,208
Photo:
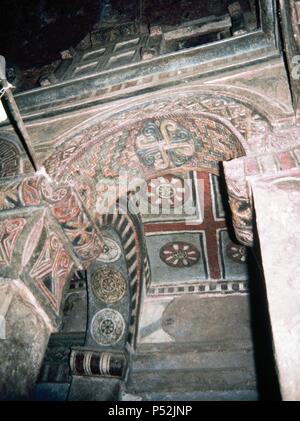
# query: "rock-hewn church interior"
150,200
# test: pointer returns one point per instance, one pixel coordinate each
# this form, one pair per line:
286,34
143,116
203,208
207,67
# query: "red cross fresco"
209,225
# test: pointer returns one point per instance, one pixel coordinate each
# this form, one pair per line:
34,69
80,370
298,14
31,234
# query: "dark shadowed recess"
33,32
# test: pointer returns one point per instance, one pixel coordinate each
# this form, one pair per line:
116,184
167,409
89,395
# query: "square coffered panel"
177,257
172,198
233,258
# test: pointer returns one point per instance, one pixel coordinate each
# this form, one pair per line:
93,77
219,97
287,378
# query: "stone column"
97,374
24,332
277,206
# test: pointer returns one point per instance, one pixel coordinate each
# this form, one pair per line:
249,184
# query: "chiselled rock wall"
24,336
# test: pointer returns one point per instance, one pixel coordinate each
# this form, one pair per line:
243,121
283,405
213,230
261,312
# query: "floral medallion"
167,192
108,285
179,254
236,252
107,327
111,251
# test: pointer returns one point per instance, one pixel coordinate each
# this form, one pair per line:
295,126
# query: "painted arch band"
147,147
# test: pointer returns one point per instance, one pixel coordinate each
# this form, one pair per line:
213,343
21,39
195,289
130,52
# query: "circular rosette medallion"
179,254
108,285
107,327
167,192
111,251
236,252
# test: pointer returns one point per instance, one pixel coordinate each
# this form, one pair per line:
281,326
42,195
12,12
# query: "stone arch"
237,105
127,227
82,143
122,229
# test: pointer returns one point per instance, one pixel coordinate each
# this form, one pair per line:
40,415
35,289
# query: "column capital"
239,171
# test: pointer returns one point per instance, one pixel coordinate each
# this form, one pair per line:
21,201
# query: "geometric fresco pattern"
10,230
187,258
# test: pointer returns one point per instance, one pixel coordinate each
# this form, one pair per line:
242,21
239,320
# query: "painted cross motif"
163,144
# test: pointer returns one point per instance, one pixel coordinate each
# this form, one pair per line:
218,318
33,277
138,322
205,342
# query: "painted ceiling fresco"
193,255
186,253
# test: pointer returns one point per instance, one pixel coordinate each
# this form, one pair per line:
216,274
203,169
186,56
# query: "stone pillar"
277,206
24,332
